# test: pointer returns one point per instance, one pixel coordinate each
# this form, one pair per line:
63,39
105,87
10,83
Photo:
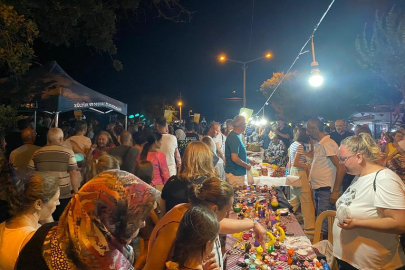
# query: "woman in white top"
31,200
371,212
302,195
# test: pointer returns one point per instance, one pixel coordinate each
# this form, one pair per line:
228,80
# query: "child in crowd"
195,239
144,170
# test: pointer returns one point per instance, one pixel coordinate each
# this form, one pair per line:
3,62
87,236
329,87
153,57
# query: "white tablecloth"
276,181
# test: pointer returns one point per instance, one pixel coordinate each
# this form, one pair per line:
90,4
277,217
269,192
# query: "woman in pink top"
158,159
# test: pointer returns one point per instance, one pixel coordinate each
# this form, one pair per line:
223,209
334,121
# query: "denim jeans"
322,203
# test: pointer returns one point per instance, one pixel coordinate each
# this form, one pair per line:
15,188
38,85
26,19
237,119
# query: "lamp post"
180,105
223,58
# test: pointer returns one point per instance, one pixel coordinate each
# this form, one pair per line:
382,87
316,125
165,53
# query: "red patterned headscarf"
99,222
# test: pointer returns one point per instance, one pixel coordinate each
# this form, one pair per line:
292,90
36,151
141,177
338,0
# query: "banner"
197,118
169,116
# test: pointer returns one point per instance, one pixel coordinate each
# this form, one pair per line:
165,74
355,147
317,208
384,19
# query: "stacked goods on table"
282,251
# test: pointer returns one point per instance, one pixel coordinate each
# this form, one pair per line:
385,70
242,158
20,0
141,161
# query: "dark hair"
144,170
161,121
23,192
362,129
212,191
80,126
189,126
326,129
150,140
118,129
198,226
23,123
138,137
301,135
317,123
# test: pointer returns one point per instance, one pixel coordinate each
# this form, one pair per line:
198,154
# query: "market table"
297,241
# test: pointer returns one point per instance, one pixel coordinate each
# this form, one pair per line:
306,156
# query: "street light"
223,58
316,78
180,104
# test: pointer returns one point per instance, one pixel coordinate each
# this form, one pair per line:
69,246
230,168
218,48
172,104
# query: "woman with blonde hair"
196,166
371,212
101,164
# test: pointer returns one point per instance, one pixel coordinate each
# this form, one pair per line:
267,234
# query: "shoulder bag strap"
375,178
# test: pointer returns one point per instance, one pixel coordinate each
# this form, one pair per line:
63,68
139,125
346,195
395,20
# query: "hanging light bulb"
316,78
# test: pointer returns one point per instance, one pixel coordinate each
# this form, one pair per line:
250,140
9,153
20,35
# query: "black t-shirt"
338,138
192,137
285,130
175,190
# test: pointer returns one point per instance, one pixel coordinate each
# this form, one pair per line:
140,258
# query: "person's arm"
163,168
159,251
219,152
177,157
284,135
162,204
230,226
340,172
297,163
392,222
389,157
238,161
73,181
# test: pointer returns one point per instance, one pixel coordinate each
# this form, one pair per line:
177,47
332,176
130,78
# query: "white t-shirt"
169,145
323,172
82,141
220,139
363,248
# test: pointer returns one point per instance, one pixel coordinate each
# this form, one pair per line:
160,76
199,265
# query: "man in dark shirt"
283,132
190,133
125,152
340,134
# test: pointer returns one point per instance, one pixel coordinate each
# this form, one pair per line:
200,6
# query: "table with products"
287,247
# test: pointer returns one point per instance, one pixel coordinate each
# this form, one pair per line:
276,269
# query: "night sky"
164,58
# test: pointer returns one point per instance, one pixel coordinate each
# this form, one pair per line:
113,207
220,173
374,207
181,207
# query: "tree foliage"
92,23
287,100
384,52
17,35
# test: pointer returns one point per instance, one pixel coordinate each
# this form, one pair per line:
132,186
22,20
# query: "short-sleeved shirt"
82,141
128,156
58,161
285,130
234,145
338,138
297,149
169,145
364,248
323,171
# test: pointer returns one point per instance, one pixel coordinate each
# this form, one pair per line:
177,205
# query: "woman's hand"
210,263
260,233
348,224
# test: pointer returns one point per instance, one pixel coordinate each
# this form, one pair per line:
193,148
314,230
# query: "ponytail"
211,191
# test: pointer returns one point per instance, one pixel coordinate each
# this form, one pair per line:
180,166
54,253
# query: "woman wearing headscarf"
96,227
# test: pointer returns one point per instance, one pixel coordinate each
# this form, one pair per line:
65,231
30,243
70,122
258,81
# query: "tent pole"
126,122
35,120
56,119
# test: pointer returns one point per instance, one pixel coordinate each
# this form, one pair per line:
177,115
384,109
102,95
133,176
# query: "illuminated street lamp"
223,58
316,78
180,105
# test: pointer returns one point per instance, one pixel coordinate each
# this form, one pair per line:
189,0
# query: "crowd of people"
77,197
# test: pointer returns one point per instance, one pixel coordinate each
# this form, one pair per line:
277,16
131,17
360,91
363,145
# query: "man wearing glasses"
326,173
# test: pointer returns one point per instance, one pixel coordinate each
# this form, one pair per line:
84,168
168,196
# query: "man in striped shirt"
59,161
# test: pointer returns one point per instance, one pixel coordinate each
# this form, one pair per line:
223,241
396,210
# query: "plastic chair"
330,214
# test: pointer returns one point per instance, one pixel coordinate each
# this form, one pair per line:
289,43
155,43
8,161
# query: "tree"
17,35
92,23
287,100
384,52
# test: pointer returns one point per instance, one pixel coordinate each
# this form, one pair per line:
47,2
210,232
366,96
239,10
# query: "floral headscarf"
98,222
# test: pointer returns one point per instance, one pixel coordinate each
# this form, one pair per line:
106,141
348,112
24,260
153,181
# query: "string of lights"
298,56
